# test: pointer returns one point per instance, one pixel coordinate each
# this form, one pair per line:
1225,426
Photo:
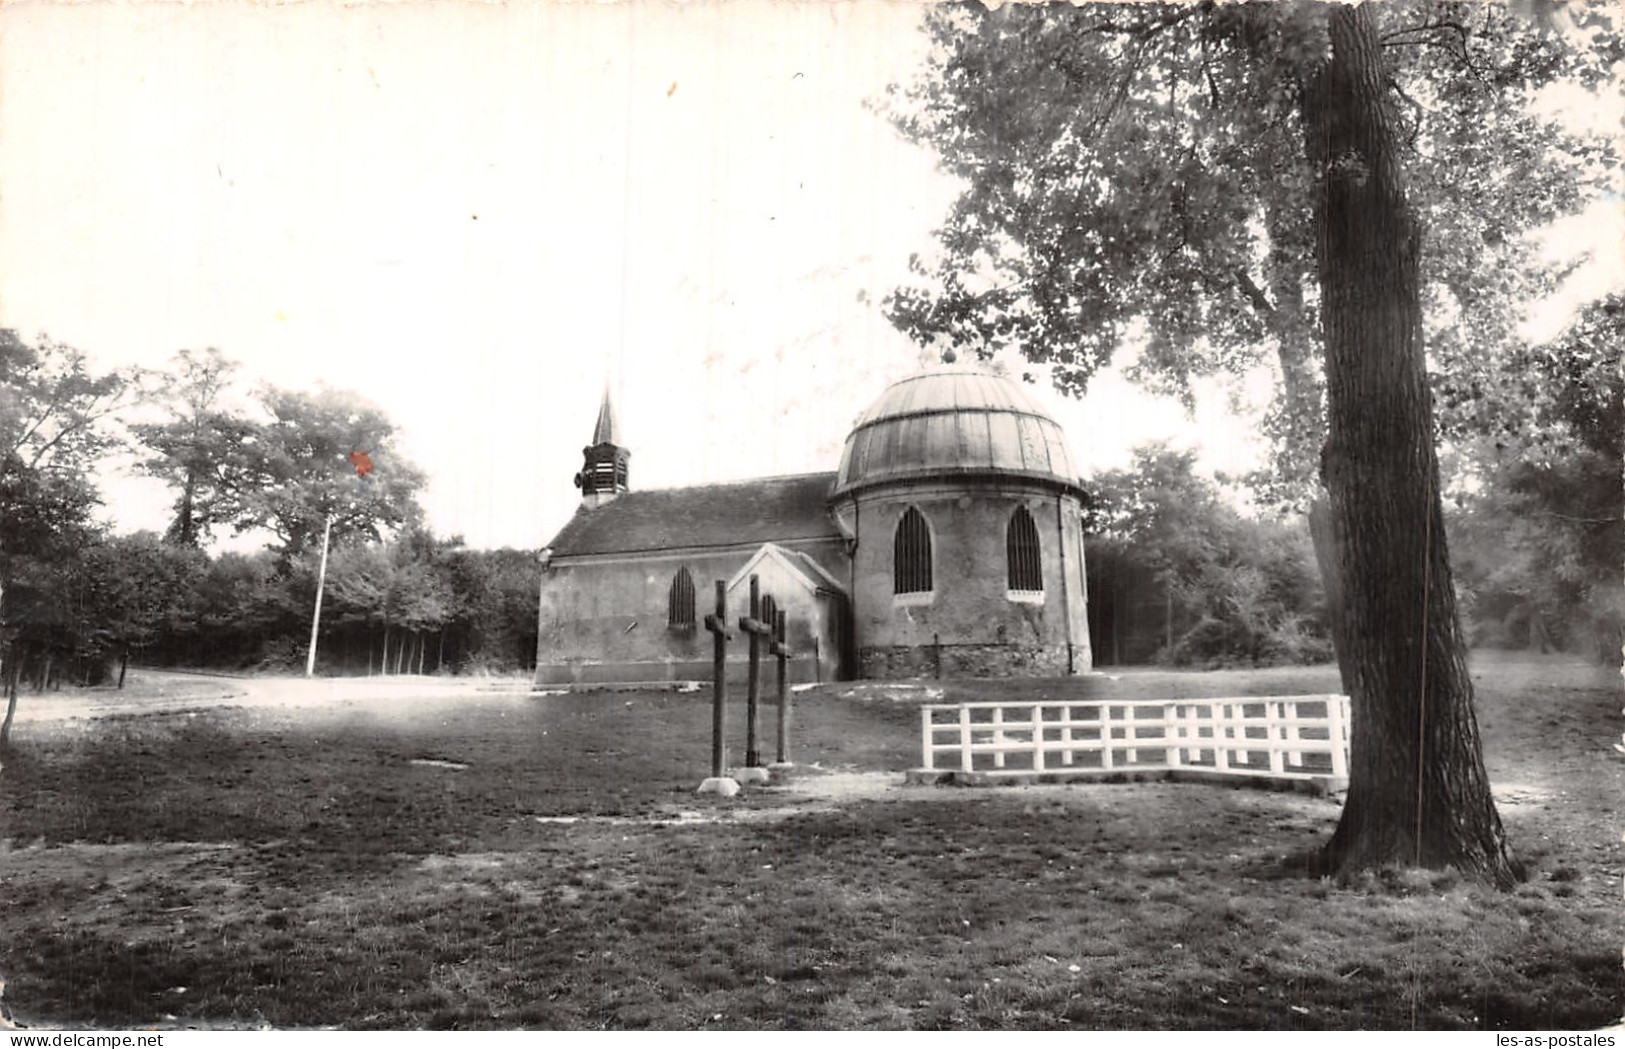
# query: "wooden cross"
782,652
753,625
718,625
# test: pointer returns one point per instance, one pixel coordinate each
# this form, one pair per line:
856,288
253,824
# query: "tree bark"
1331,578
1418,793
14,670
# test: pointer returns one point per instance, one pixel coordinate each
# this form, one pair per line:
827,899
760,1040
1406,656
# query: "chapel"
948,543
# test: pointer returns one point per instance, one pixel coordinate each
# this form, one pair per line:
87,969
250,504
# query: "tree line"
78,602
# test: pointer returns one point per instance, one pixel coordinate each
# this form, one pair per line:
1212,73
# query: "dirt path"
149,692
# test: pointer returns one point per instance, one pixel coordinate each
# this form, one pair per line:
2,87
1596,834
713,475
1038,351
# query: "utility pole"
321,583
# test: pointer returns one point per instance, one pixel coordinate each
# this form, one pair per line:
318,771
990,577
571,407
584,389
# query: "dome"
954,421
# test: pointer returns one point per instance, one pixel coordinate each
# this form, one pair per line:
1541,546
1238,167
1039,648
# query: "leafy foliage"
199,448
1539,540
1181,576
1137,174
298,471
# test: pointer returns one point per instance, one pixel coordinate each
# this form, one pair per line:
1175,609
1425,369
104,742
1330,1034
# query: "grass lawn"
331,864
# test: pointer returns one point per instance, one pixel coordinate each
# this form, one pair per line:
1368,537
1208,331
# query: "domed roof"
949,421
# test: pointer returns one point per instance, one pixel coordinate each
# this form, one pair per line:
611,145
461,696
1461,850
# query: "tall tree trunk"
1168,618
1331,577
1418,793
183,531
1117,614
123,665
13,671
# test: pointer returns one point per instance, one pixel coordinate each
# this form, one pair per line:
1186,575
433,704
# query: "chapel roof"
955,420
767,509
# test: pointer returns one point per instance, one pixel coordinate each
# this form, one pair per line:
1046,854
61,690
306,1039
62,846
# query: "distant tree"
395,589
1204,583
298,471
245,601
200,448
131,592
1541,531
496,607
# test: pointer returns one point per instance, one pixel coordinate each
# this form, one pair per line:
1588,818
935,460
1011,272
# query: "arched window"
680,601
1026,569
911,555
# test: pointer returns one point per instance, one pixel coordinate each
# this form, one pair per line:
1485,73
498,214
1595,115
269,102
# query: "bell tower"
603,472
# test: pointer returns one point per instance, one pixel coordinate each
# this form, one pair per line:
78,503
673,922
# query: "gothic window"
911,555
1026,570
680,602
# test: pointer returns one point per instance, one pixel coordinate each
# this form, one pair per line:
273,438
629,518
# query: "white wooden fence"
1287,737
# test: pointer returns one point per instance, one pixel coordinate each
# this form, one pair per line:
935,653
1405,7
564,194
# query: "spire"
604,470
606,432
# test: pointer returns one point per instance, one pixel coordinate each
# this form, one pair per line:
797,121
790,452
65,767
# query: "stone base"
1319,785
720,785
750,774
629,673
892,662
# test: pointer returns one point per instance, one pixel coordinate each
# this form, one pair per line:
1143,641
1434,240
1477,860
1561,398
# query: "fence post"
998,737
1067,755
1106,736
1174,731
1221,737
1337,718
1276,732
965,757
927,738
1038,737
1293,734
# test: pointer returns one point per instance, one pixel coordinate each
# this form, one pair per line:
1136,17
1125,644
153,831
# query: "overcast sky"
473,213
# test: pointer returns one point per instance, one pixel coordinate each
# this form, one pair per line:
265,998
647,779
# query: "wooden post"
1337,719
718,625
1277,734
1066,734
753,626
928,738
781,651
1038,737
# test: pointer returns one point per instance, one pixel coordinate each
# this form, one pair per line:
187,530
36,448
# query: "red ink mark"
362,463
670,91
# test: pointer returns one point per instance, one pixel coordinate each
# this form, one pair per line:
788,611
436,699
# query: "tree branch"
1255,295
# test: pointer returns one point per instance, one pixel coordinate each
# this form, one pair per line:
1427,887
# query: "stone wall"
983,628
964,661
604,620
